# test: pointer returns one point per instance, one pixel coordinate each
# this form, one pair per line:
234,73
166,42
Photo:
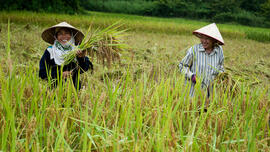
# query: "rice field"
140,104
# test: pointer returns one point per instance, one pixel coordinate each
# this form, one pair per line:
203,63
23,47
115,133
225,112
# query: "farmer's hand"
81,53
193,78
66,74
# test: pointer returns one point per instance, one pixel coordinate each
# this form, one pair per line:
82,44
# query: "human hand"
66,74
193,78
81,53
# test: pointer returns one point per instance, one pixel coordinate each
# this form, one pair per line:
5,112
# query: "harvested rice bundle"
106,50
106,44
225,82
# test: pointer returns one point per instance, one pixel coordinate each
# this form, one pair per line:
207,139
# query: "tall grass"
142,115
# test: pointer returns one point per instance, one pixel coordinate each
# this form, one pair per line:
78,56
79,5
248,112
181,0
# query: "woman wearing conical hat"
63,38
204,60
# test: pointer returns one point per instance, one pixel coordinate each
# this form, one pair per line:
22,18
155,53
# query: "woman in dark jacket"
63,38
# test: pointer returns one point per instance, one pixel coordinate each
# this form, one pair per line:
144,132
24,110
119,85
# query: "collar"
215,50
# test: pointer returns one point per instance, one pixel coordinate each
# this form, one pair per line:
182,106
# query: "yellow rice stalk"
107,51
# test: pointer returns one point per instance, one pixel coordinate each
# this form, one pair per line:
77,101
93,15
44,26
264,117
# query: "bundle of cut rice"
225,82
106,44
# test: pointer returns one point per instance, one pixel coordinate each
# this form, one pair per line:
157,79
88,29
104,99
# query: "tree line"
247,12
53,6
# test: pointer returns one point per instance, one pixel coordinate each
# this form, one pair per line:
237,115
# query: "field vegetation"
244,12
140,104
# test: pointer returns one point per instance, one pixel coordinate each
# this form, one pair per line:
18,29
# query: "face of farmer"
63,35
207,42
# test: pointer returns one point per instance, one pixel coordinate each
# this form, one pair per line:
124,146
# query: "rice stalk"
105,44
9,61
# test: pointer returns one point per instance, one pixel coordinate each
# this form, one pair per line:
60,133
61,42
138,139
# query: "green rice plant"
9,62
260,36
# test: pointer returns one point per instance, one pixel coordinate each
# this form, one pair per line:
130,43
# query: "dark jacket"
48,66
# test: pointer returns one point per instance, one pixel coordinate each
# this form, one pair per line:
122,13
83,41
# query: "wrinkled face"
63,35
207,42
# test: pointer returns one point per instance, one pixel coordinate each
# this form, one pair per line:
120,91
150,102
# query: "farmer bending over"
63,37
204,60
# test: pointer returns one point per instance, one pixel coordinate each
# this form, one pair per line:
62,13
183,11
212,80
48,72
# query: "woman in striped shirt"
204,60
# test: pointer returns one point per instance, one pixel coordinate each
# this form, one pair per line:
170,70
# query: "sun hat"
48,35
210,30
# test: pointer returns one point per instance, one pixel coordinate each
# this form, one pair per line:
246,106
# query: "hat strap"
76,34
53,36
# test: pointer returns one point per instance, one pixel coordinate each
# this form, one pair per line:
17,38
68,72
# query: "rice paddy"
139,104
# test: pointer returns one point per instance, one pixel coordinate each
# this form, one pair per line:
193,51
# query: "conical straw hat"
48,35
210,30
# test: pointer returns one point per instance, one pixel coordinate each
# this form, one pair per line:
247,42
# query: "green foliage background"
55,6
245,12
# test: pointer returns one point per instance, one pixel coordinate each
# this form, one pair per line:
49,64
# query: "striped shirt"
204,65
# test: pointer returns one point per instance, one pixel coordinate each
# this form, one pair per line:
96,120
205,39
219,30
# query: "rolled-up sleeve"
186,63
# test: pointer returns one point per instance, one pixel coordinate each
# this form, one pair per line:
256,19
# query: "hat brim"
198,34
48,35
